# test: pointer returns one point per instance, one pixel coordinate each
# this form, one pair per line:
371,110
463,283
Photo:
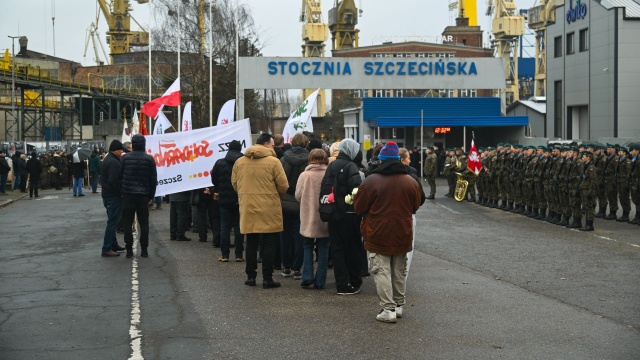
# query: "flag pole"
150,19
210,64
464,138
421,141
179,36
237,58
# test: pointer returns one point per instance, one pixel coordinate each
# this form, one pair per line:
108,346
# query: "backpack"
328,209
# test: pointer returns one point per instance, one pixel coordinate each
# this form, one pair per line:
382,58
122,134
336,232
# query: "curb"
11,201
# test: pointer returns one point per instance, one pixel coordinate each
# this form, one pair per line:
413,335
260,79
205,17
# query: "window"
557,47
388,93
388,55
468,93
442,55
557,109
570,44
357,94
584,40
378,93
399,93
377,55
421,55
431,55
445,93
399,55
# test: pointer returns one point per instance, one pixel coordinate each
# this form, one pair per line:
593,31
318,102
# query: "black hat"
314,144
116,145
235,145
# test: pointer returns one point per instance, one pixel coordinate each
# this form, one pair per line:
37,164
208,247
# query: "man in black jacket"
112,198
228,203
139,179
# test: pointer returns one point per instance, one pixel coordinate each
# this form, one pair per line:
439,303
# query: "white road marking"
134,330
614,240
449,209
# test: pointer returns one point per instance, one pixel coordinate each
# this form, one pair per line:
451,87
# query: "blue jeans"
114,211
16,182
95,176
3,183
230,217
323,260
291,242
77,185
157,200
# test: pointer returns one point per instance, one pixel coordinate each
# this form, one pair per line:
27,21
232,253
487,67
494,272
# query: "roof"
410,43
406,112
631,7
540,107
30,54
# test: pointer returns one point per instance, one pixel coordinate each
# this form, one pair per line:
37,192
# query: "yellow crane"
540,17
314,34
466,9
507,27
120,37
343,18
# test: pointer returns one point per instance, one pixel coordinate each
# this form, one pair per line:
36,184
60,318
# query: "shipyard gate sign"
368,73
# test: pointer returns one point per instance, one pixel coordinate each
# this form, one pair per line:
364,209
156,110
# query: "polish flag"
474,164
171,97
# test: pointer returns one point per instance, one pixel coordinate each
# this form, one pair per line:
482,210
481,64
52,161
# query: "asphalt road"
484,284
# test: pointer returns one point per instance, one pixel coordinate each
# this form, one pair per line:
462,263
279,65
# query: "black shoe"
624,217
129,254
611,216
600,214
117,247
110,254
183,238
349,290
306,283
270,284
172,238
144,253
576,224
250,282
588,226
430,197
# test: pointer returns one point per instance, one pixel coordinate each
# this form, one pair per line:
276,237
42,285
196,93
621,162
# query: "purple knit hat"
389,151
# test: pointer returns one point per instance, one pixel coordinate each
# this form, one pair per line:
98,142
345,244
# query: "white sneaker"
388,316
399,312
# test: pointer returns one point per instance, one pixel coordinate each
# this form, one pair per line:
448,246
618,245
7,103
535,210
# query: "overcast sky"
277,21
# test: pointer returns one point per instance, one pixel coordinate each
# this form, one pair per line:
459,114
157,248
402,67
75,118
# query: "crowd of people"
557,183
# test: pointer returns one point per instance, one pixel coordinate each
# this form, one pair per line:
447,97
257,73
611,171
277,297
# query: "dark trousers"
135,205
230,218
114,211
95,176
209,213
291,242
346,251
431,180
23,183
178,218
268,252
33,187
3,183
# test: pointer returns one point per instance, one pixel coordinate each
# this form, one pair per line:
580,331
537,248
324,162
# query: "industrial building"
593,87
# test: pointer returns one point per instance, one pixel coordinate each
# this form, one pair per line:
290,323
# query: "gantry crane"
120,37
314,34
343,18
540,17
507,27
92,33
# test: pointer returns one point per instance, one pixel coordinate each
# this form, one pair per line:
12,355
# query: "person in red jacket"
387,199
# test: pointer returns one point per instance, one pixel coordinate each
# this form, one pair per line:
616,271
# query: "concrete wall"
536,120
628,77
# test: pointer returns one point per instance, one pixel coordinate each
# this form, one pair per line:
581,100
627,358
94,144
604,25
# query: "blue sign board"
576,13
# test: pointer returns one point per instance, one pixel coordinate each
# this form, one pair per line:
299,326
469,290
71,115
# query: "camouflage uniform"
430,172
634,186
610,185
599,163
563,189
624,169
575,175
588,191
529,187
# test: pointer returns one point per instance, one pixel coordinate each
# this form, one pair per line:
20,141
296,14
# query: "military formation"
560,184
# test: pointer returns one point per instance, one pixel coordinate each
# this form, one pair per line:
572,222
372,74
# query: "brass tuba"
461,188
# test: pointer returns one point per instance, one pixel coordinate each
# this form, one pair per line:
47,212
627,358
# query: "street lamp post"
13,86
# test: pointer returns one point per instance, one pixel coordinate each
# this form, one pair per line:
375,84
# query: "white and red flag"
227,112
186,118
171,97
474,164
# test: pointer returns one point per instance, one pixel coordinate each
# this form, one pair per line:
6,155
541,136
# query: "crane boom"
343,18
540,17
120,37
314,35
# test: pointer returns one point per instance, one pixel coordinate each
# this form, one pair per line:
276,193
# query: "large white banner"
184,159
300,120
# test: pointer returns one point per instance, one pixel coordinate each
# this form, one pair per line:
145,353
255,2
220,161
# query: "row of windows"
400,93
418,55
583,44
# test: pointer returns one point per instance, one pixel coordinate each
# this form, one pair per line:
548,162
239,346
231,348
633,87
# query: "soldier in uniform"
634,180
576,171
484,177
431,171
470,177
599,160
610,183
506,177
517,177
546,186
498,183
494,169
538,184
563,186
553,196
588,188
447,170
622,180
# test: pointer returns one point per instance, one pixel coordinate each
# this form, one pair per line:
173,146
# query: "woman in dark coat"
34,169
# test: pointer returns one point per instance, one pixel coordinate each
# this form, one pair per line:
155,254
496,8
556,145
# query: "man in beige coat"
260,181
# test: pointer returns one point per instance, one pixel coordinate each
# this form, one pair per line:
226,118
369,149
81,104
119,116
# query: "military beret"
622,148
542,147
506,145
573,143
499,144
587,153
573,148
610,146
546,149
465,153
634,147
517,146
